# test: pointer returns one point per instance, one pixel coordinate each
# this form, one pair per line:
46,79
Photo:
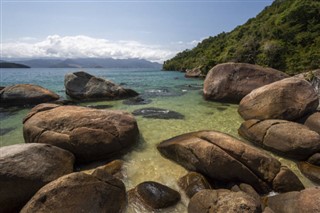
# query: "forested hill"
285,36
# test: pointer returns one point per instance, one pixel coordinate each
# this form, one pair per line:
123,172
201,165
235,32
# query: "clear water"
168,90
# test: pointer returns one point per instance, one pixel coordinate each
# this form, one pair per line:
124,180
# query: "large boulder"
25,168
310,171
307,201
288,99
80,192
284,137
83,86
153,195
90,134
313,77
222,200
222,157
25,94
313,122
230,82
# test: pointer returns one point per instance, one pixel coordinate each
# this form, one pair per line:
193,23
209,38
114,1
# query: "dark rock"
136,101
90,134
288,99
83,86
25,168
313,122
223,200
192,183
99,106
158,113
189,87
310,171
221,108
154,195
230,82
315,159
194,73
286,181
79,192
284,137
222,157
4,131
307,201
26,94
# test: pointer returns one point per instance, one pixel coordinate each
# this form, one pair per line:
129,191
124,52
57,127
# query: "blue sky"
154,30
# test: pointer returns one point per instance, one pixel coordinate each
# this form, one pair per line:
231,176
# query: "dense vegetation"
285,36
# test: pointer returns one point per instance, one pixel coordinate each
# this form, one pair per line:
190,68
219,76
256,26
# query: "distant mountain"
4,64
285,36
90,63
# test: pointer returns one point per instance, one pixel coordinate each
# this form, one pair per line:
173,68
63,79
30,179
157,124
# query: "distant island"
88,63
12,65
284,36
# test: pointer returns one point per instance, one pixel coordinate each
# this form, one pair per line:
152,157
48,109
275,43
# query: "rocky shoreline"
226,174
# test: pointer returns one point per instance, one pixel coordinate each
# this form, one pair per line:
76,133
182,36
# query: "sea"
167,90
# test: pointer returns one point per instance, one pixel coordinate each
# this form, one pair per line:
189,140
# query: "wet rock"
307,201
192,183
90,134
222,157
315,159
7,112
80,192
137,101
193,73
230,82
286,181
114,168
99,106
83,86
25,168
223,200
246,188
26,94
313,122
158,113
288,99
310,171
284,137
153,195
4,131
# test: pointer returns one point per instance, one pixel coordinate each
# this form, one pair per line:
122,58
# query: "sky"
150,29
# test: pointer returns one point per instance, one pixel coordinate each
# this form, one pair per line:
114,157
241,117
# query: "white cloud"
84,46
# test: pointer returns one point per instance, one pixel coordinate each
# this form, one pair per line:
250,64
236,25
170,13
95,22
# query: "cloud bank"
83,47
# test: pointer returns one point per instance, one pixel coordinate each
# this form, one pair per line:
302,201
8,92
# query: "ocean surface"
167,90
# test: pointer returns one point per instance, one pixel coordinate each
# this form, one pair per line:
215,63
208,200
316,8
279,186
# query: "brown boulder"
286,181
287,99
315,159
313,77
230,82
193,73
222,200
25,168
306,201
83,86
284,137
222,157
26,94
313,122
153,195
310,171
90,134
192,183
80,192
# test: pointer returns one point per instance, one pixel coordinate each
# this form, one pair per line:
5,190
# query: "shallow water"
167,90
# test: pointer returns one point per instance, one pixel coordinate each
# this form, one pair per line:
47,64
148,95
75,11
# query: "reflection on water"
145,163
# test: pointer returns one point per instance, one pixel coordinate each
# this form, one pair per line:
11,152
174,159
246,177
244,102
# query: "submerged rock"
284,137
192,183
79,192
307,201
158,113
189,87
137,101
223,200
26,94
288,99
310,171
313,122
4,131
83,86
230,82
25,168
90,134
153,195
161,92
222,157
99,106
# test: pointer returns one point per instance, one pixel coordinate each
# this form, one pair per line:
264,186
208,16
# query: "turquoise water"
168,90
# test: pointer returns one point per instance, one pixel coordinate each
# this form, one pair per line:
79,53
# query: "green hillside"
285,36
